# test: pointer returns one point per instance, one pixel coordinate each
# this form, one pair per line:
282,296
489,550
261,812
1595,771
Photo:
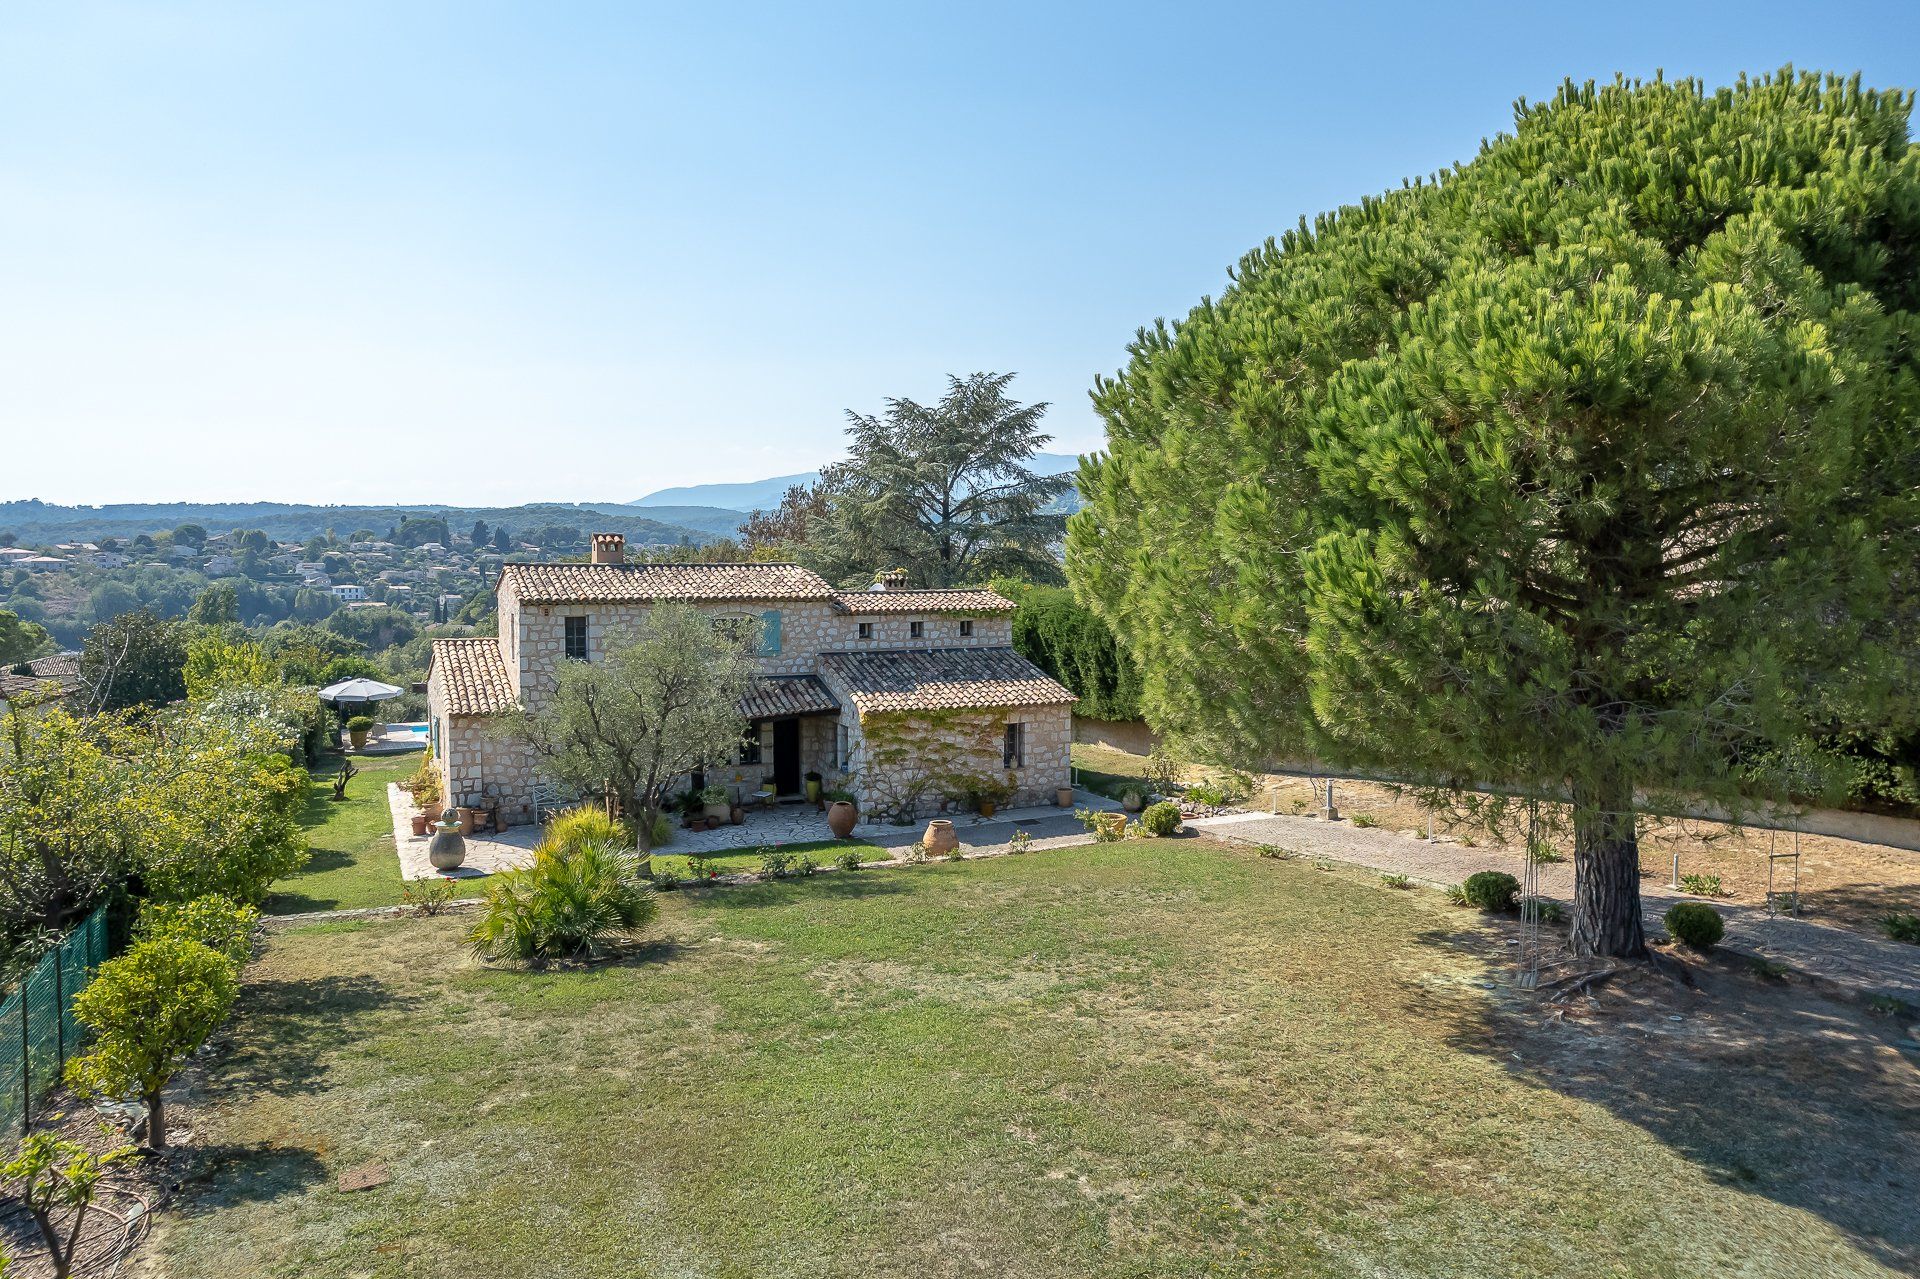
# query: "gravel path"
1858,963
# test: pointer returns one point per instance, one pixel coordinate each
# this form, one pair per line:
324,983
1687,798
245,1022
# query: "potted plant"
1064,797
419,822
357,729
813,788
716,803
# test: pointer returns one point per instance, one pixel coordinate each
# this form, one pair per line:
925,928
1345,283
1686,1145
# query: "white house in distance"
890,693
348,593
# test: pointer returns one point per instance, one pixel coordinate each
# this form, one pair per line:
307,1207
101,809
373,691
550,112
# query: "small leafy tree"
215,662
662,705
148,1011
51,1176
136,659
19,639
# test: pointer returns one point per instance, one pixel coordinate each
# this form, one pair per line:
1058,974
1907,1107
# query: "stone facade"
477,763
905,762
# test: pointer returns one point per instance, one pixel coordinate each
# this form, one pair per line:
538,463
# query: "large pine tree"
1587,468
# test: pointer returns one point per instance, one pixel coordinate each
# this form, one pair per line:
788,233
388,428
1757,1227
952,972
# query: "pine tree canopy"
1587,467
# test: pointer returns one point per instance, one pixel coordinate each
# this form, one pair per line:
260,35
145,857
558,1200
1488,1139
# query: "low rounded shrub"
1161,819
1694,924
1491,890
1901,925
360,724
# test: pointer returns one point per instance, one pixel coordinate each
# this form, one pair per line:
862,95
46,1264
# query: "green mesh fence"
38,1031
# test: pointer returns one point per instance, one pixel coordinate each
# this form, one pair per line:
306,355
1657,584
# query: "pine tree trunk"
1606,873
156,1121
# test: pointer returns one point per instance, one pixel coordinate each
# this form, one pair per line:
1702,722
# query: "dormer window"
866,630
916,630
966,628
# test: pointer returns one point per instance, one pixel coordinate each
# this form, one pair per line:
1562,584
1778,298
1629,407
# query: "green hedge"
1068,642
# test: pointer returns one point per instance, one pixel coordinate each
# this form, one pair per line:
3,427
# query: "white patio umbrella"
358,692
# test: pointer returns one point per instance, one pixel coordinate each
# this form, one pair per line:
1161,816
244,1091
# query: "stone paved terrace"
784,824
1844,957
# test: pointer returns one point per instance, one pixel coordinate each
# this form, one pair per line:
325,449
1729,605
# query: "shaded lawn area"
739,860
352,862
1151,1058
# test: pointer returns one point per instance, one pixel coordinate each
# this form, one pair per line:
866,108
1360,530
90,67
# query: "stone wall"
897,756
477,763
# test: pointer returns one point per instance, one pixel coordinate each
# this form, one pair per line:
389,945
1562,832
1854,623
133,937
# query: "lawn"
1153,1058
352,862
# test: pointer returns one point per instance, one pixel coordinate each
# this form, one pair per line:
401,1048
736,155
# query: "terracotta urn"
939,839
448,851
842,817
1064,797
737,815
419,823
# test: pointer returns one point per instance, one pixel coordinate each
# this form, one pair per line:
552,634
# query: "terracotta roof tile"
943,679
921,602
776,696
473,675
641,583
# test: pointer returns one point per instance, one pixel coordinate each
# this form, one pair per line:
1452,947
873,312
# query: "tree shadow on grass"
286,1030
1770,1088
222,1176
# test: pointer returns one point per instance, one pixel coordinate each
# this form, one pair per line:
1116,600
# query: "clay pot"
842,817
939,839
737,815
988,808
419,823
1064,797
717,813
448,851
357,737
469,820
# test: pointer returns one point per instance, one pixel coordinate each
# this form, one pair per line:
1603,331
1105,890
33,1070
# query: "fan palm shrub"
582,897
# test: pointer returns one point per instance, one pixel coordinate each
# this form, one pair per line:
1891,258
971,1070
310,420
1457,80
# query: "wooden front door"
786,756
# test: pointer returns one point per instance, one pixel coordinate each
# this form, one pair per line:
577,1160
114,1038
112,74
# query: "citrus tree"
148,1011
1586,468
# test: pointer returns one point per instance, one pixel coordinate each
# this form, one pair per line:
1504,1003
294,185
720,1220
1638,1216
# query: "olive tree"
663,702
1585,469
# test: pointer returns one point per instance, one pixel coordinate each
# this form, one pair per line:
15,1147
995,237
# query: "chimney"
609,548
894,579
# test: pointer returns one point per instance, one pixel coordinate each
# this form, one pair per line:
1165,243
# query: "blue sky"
577,252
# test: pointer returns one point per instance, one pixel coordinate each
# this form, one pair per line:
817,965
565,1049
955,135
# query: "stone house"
893,694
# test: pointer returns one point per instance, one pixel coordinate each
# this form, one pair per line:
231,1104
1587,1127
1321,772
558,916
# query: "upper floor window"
916,630
577,638
760,634
966,627
1014,752
866,630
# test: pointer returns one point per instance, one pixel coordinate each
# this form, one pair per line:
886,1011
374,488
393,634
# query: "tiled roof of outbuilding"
921,602
642,583
473,675
779,695
944,679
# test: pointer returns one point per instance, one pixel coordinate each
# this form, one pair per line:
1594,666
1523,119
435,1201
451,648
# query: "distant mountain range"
763,495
